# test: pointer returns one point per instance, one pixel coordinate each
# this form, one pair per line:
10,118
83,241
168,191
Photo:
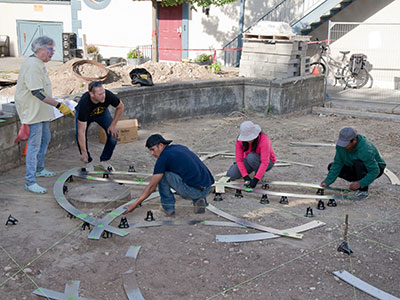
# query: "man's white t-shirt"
33,76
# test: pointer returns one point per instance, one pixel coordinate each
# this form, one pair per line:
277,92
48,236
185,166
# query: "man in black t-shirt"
93,108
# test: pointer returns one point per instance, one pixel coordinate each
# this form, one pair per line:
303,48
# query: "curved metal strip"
63,202
71,291
84,176
392,177
253,225
131,288
237,238
363,286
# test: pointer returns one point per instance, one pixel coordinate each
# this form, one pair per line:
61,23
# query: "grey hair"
41,42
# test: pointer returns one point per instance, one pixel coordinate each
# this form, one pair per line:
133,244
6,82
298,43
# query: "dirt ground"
185,261
66,83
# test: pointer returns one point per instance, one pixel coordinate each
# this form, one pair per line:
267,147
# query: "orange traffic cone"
315,71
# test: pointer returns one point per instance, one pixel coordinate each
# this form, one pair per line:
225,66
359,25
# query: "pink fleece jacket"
264,148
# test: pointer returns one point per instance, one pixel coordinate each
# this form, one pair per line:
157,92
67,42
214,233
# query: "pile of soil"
65,82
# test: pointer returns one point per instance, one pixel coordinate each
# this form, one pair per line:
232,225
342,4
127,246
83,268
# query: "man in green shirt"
356,160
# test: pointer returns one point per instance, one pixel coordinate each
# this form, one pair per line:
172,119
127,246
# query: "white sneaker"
107,166
89,167
360,195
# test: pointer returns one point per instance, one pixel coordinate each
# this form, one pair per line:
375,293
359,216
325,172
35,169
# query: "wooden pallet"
266,37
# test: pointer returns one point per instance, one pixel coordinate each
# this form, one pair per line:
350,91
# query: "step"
364,107
354,113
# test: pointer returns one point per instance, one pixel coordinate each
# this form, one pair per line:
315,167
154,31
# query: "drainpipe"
241,22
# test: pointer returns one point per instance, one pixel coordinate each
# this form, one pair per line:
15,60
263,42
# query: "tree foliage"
203,3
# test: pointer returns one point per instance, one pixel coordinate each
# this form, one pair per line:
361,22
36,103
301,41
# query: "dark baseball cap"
345,136
156,139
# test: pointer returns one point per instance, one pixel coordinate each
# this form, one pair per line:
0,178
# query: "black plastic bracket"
238,194
332,203
344,247
71,216
109,169
65,189
106,174
11,220
321,205
106,235
320,192
264,199
84,225
218,197
70,179
131,168
123,223
284,200
309,212
149,216
265,186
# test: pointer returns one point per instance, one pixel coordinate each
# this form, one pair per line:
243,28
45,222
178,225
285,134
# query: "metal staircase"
318,15
304,16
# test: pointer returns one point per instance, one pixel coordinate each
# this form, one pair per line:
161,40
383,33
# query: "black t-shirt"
86,108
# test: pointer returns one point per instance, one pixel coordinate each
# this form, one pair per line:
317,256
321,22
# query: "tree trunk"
154,40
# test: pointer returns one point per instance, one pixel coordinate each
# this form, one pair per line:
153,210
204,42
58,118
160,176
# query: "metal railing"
379,42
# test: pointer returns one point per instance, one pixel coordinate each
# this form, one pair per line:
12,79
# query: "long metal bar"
238,238
363,286
131,287
253,225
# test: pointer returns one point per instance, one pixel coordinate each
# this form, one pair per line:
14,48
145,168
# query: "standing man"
357,160
34,101
93,108
180,169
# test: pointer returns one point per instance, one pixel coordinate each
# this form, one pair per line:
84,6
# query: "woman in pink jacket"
254,153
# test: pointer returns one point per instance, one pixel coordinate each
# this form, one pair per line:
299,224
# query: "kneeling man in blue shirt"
180,169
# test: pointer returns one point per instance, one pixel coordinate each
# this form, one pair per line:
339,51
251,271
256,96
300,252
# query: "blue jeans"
252,162
104,120
172,180
38,141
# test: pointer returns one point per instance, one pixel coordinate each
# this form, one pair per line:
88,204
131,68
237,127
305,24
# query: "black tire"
321,67
355,81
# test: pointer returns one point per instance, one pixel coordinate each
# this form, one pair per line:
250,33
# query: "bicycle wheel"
320,67
355,81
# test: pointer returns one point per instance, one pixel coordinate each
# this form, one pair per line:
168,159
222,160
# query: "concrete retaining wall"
178,100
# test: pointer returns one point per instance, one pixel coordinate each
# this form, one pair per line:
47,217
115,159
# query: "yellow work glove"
65,109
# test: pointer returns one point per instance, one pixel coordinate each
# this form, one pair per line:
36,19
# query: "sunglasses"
94,84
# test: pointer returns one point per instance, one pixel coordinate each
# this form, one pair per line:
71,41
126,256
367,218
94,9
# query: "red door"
170,32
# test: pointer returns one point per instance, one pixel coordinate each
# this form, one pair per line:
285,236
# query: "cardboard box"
127,131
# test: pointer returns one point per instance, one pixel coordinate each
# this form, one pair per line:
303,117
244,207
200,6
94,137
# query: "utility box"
4,45
127,131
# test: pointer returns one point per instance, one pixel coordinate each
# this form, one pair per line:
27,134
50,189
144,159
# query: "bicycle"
340,70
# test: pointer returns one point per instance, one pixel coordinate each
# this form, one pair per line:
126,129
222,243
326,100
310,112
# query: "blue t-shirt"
180,160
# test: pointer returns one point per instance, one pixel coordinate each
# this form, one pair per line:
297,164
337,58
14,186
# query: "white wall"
121,26
11,12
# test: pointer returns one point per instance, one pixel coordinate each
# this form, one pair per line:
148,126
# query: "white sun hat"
248,131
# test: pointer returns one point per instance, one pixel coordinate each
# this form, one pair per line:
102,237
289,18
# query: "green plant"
135,53
92,49
215,67
203,58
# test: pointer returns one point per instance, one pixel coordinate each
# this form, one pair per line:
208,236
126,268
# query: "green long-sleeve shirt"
364,151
